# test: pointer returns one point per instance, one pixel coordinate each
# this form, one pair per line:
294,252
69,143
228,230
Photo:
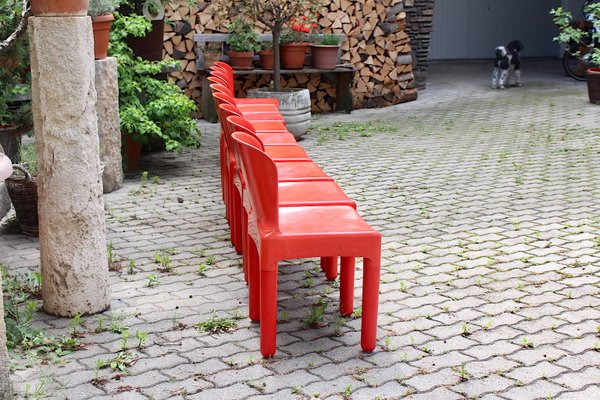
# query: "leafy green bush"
585,36
148,106
330,40
241,36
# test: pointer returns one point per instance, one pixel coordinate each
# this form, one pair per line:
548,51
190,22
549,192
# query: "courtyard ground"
489,206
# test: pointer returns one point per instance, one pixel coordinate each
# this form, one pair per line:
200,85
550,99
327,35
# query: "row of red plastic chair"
280,205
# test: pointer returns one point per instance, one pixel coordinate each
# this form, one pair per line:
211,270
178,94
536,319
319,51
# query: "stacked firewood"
377,46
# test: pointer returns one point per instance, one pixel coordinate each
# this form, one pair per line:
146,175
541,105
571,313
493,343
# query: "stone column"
71,216
107,109
5,385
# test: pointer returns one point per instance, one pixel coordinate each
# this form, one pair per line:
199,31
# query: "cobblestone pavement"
489,206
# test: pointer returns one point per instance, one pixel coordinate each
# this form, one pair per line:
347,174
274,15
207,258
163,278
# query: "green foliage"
28,158
148,106
14,61
20,304
241,36
102,7
216,324
581,40
330,40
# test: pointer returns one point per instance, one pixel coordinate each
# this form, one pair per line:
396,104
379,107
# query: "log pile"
377,46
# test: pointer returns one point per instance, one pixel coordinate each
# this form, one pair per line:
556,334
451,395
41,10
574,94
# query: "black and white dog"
507,57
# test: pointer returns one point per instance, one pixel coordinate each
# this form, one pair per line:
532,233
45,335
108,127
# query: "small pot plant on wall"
242,42
101,13
582,41
325,51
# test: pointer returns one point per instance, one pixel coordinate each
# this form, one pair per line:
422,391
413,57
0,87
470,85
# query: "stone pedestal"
107,109
71,215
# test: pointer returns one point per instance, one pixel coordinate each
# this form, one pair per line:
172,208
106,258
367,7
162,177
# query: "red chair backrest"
260,175
238,124
219,81
223,65
225,76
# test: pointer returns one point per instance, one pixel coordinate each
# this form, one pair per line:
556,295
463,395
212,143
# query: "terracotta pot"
593,84
101,26
58,8
10,140
267,59
292,55
241,59
131,151
324,56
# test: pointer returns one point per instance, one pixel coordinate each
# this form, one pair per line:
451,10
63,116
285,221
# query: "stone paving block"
590,393
537,390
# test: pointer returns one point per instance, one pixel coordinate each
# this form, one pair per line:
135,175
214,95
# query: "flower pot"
101,27
241,59
593,84
292,55
267,59
324,56
294,106
131,150
58,8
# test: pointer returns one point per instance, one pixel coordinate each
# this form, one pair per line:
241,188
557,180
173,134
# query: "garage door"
470,29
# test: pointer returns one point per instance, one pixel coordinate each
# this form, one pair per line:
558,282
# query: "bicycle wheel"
575,67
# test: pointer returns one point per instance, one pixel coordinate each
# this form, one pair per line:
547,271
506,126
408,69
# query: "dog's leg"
495,77
503,76
518,78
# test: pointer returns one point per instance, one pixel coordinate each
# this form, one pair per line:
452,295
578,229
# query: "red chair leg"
245,245
236,218
254,295
268,311
370,298
347,286
329,266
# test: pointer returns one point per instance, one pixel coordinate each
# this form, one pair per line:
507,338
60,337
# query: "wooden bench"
342,76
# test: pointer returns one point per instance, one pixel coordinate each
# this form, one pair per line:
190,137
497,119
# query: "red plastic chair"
264,112
228,82
292,170
310,193
278,233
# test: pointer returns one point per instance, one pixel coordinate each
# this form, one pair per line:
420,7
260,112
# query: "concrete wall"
470,29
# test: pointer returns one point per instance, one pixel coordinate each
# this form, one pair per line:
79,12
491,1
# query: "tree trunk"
72,225
276,59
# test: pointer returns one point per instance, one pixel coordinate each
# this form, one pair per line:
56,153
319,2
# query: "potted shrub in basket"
101,13
243,42
325,52
583,39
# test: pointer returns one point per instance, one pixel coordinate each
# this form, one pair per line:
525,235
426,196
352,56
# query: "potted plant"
266,55
149,107
294,42
585,37
242,42
101,13
22,190
325,52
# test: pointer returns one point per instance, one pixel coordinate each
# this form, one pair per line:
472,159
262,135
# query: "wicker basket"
23,195
593,83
